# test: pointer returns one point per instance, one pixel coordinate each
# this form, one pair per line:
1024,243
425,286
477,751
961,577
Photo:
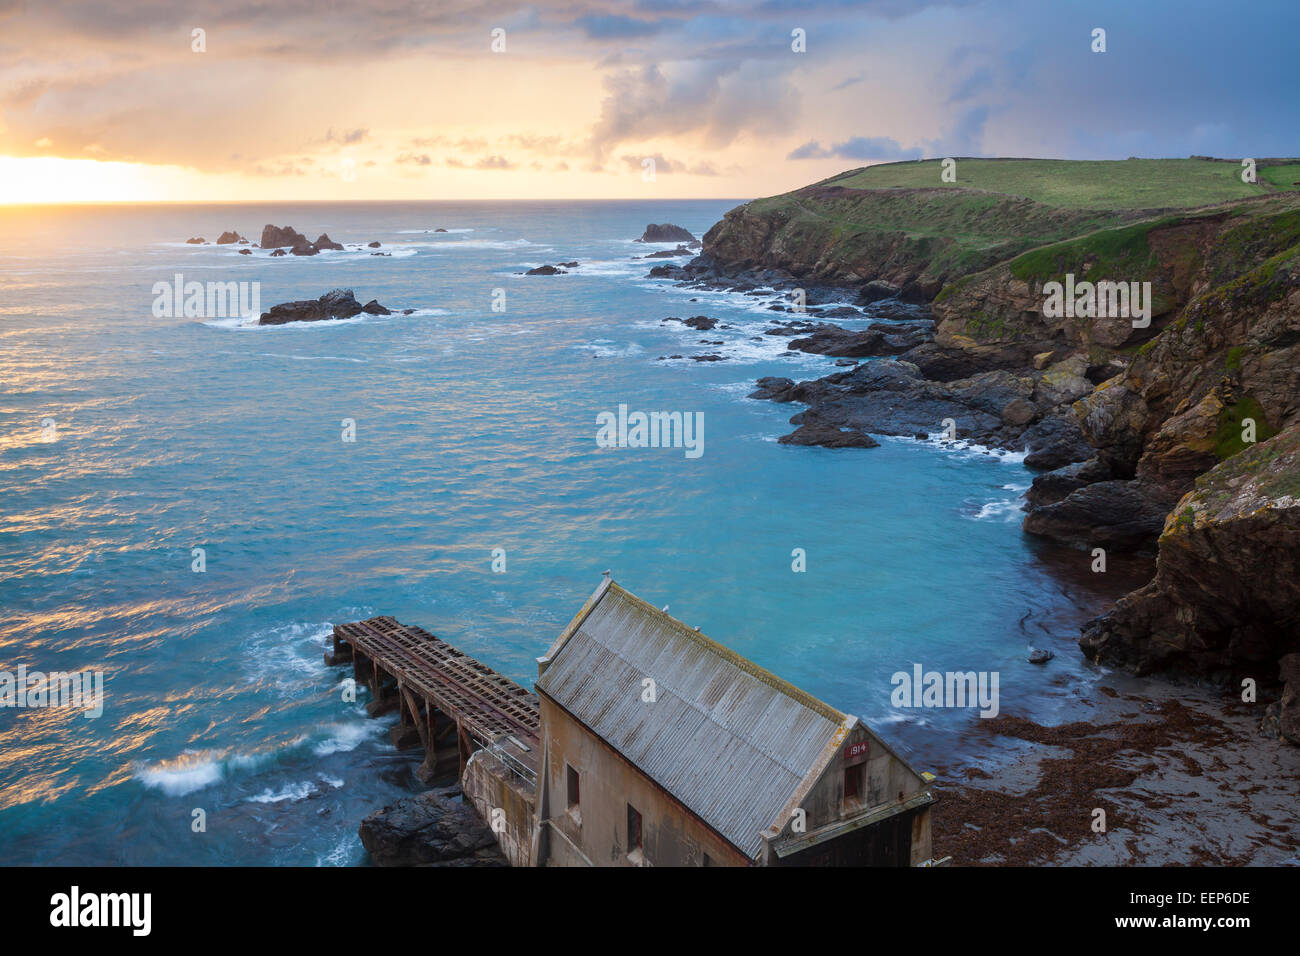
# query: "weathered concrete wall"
671,834
489,786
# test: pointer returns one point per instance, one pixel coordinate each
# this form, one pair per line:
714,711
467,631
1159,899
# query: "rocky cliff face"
1220,375
1181,434
1225,602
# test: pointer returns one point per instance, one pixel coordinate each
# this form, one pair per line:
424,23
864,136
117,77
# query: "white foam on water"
1005,510
180,777
314,325
432,232
605,348
195,769
341,738
339,856
292,791
613,268
972,450
287,655
316,358
234,322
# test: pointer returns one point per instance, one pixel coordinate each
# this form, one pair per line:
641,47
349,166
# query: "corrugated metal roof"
727,738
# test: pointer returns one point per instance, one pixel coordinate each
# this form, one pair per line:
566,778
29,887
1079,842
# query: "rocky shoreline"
1179,436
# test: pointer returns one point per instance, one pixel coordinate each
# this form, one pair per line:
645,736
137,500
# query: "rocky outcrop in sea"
335,304
666,232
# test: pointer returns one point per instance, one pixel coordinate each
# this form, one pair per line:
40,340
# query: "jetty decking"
450,704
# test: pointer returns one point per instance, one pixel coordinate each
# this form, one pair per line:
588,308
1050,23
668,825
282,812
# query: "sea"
189,503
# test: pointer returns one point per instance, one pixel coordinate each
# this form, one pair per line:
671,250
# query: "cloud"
857,147
414,159
483,162
669,166
964,138
713,101
347,137
844,84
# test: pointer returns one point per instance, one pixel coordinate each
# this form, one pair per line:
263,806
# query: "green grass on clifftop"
1087,184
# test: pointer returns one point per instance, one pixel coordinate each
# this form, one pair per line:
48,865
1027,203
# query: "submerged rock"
828,436
669,253
546,271
700,323
432,829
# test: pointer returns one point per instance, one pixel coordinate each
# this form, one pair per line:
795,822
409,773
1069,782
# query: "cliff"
1176,432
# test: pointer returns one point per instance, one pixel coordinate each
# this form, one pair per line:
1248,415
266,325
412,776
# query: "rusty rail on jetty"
449,703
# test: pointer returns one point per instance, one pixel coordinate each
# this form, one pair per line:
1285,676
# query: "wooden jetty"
450,704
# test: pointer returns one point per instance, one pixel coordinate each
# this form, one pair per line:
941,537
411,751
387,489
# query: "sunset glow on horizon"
460,100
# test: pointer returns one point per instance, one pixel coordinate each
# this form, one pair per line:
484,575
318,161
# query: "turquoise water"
475,430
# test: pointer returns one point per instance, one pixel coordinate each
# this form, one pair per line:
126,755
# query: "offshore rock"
432,829
665,232
336,304
276,237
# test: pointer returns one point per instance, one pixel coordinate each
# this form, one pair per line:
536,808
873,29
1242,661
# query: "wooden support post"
342,651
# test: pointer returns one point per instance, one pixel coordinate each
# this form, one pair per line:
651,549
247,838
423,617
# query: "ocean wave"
341,738
196,769
432,232
291,791
612,268
234,322
1004,509
287,656
973,450
341,855
605,348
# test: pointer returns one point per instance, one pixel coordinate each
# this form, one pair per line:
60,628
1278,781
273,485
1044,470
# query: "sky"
111,100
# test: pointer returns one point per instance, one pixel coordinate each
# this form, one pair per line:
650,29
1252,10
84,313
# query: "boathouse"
661,747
